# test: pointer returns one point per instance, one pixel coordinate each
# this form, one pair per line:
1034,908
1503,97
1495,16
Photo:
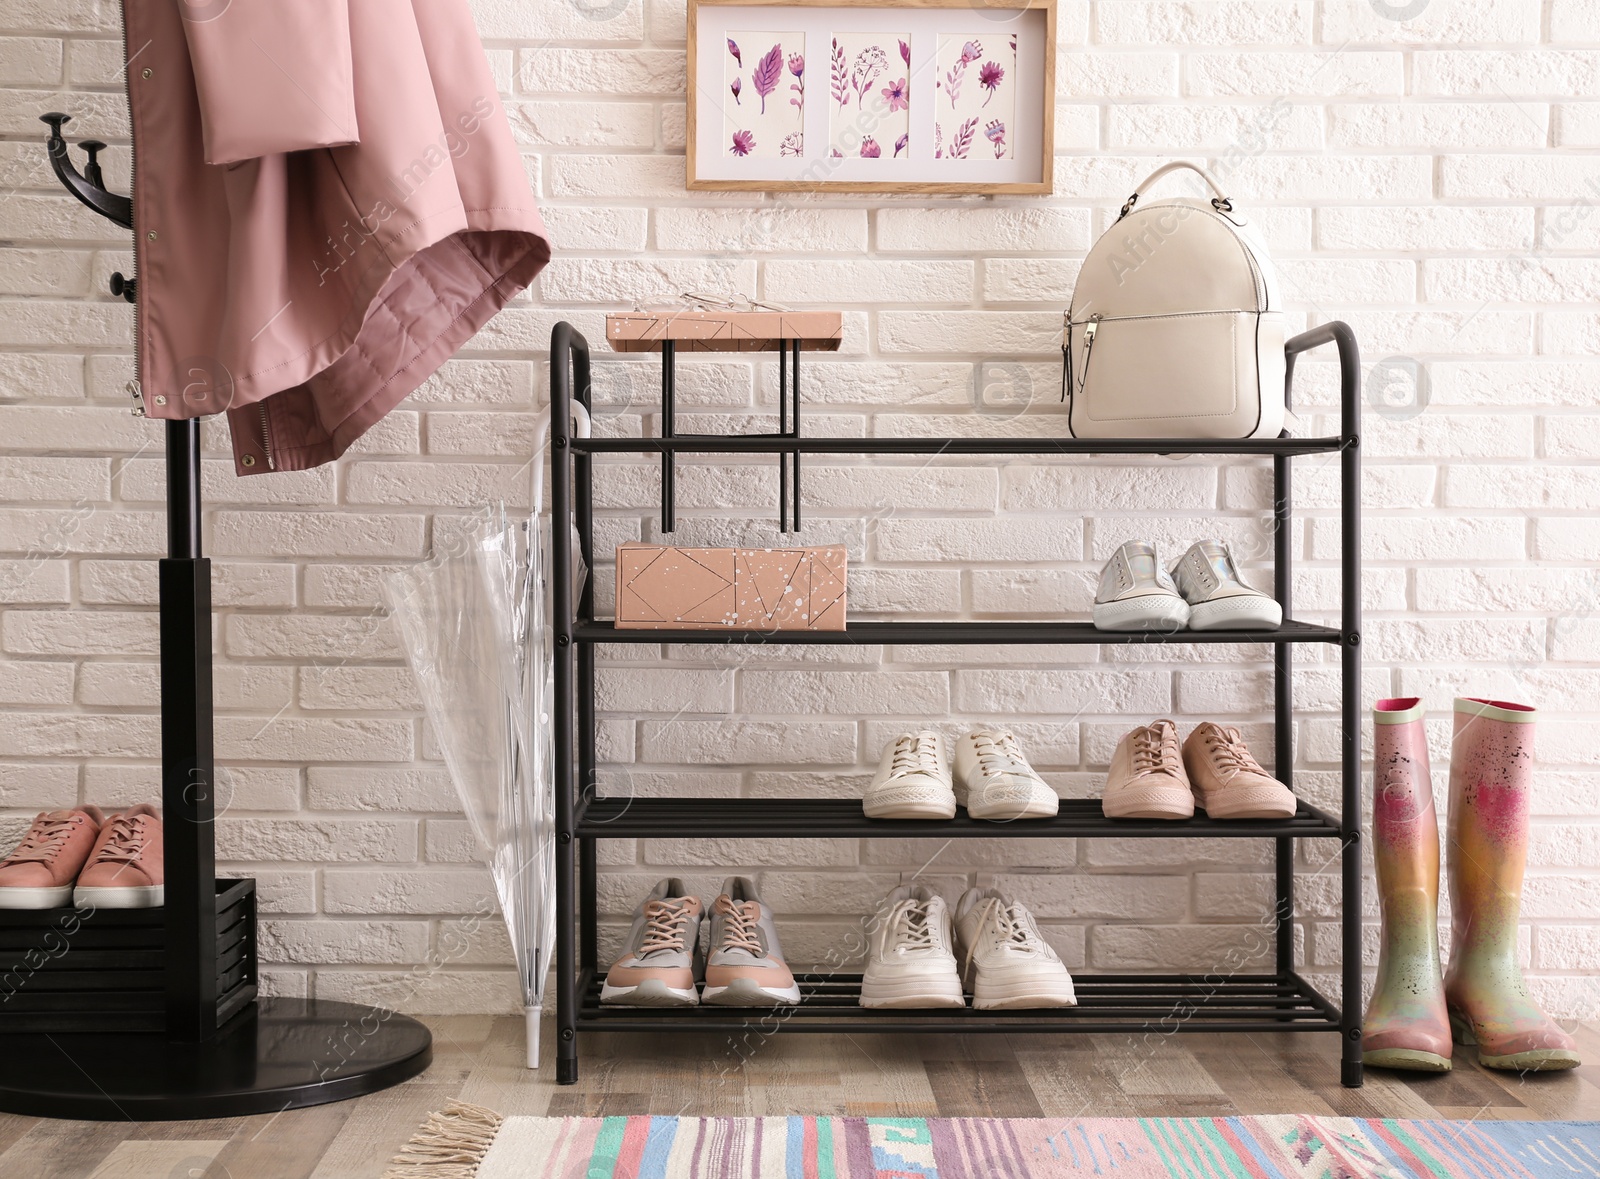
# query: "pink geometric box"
665,587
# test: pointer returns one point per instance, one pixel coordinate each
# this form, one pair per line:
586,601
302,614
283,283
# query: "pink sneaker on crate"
125,868
40,872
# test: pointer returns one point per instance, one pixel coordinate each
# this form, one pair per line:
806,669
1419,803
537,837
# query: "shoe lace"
1015,929
914,753
1155,749
1230,754
741,925
910,929
999,753
44,840
665,924
126,842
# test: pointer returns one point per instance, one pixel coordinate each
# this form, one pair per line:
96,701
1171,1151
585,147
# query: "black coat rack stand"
210,1048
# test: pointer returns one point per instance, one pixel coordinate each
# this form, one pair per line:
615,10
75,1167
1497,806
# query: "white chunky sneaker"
911,961
1005,961
1218,597
913,780
745,967
662,961
1136,593
993,780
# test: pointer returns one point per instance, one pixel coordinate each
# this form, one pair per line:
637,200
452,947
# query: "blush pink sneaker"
40,872
125,868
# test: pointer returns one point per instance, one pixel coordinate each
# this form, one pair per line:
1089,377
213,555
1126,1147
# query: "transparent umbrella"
474,626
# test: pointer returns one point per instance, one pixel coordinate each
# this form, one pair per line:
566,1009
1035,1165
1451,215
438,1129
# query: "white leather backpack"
1176,329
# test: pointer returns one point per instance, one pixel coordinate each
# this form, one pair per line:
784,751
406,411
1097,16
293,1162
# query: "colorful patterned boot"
1491,770
1406,1026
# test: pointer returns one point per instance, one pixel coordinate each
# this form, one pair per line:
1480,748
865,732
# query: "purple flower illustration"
793,144
837,154
841,75
905,53
797,67
766,74
900,144
869,63
996,132
895,92
990,75
743,142
971,51
733,48
734,86
870,149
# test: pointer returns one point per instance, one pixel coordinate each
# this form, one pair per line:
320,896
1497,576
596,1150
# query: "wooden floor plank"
287,1145
61,1150
371,1135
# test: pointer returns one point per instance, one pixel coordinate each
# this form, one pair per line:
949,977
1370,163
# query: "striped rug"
1018,1148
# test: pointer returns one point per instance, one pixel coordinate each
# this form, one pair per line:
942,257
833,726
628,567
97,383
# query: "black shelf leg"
794,425
669,427
1350,690
188,767
564,342
1283,701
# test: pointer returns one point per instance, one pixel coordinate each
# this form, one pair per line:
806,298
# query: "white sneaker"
1005,961
1136,593
993,780
911,962
1218,597
913,780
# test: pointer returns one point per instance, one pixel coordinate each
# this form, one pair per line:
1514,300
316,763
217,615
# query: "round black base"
274,1055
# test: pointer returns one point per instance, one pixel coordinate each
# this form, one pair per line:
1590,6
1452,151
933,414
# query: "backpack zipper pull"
1089,330
137,394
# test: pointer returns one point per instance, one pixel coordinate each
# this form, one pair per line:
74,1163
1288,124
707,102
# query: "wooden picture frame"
949,97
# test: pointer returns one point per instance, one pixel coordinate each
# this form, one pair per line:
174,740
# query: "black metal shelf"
1281,1001
778,444
1106,1003
834,818
964,633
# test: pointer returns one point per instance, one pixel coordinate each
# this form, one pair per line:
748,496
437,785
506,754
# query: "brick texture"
1433,181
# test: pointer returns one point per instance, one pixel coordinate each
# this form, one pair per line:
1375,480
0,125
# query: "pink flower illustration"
733,48
743,142
895,92
793,144
996,132
971,51
990,75
900,144
905,53
735,86
797,67
870,149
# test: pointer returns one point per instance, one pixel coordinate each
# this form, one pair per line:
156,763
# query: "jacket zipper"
134,389
266,435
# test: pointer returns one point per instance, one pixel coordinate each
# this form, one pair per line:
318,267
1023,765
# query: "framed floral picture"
935,96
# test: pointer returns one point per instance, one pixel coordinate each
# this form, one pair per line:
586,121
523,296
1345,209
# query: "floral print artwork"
869,95
975,100
763,100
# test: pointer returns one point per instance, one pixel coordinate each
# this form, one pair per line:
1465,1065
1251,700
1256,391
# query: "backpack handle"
1219,202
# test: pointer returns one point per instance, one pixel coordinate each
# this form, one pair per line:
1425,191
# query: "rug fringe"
450,1145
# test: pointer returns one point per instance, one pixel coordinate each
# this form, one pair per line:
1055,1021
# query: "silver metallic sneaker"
1218,597
745,967
1136,593
663,960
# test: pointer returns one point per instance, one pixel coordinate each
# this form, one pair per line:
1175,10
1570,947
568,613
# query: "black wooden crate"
87,969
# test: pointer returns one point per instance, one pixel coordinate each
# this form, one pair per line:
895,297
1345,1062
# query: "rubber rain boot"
1491,772
1406,1025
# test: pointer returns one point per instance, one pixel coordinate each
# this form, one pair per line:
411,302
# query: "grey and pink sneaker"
663,961
746,966
125,869
40,872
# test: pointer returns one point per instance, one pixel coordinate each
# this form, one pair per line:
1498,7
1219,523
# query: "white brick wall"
1433,182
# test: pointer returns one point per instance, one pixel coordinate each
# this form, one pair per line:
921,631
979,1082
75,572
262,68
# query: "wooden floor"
478,1058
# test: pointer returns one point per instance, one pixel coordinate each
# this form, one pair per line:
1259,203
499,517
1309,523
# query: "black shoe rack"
1282,1001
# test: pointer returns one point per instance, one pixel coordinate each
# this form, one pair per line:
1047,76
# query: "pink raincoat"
327,204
